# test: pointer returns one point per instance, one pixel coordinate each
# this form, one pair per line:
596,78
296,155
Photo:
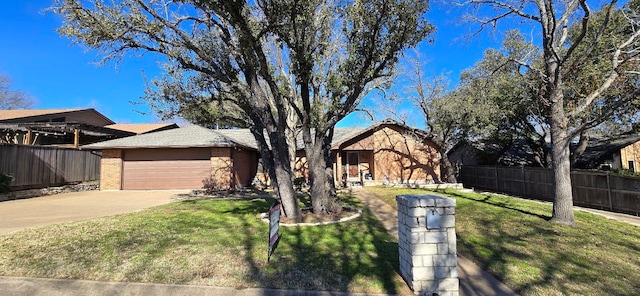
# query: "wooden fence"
601,190
43,166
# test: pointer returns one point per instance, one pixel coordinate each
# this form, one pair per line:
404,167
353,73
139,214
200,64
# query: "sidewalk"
630,219
625,218
14,286
473,280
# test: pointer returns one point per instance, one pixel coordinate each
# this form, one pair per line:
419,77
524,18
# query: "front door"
353,167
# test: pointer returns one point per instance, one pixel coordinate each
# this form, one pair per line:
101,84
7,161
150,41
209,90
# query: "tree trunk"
581,147
284,176
563,202
275,156
447,171
323,194
276,161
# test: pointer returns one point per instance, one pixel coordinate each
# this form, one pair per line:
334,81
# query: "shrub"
210,185
5,180
626,172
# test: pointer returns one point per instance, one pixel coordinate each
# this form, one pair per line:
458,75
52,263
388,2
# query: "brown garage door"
165,168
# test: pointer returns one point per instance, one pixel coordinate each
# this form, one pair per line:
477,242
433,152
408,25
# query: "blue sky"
59,75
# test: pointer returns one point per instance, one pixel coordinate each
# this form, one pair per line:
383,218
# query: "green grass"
209,242
512,239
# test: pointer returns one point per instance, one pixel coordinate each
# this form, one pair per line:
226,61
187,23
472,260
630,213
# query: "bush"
210,185
626,172
5,181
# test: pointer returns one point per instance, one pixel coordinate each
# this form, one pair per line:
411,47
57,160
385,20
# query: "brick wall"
403,158
222,167
244,165
111,170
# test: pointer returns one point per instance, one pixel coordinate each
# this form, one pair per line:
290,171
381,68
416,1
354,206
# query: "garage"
165,168
178,158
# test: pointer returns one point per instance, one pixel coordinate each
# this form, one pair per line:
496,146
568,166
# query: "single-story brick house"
386,152
182,158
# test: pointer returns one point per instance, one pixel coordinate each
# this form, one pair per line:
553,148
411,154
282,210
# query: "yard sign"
274,227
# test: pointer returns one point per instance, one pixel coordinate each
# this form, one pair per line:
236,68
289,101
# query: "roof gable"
349,135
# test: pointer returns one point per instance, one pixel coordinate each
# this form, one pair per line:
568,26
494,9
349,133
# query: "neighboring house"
602,154
387,152
518,154
620,153
65,127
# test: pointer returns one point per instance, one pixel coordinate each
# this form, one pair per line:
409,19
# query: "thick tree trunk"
563,202
560,152
275,156
284,176
323,193
279,170
447,170
290,206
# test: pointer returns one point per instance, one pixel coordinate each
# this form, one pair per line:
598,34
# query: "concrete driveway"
17,215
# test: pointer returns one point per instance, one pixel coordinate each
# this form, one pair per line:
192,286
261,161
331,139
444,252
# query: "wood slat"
42,166
592,189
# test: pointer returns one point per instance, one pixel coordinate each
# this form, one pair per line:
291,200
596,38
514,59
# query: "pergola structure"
73,134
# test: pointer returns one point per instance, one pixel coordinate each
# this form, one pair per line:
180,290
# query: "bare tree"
13,99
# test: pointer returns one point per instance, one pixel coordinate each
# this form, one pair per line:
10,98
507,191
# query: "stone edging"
264,217
30,193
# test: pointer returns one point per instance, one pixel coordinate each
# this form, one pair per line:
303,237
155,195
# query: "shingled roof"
185,137
598,150
196,136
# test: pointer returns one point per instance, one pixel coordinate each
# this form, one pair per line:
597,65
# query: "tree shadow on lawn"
488,199
531,254
338,257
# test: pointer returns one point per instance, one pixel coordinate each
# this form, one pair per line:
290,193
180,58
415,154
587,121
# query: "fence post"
497,183
609,190
524,183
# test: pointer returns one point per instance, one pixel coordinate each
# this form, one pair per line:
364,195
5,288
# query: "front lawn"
210,242
512,239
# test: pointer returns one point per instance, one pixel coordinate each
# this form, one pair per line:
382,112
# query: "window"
631,166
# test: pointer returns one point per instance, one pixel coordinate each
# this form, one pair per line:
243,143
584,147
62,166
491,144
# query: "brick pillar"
427,244
111,170
222,167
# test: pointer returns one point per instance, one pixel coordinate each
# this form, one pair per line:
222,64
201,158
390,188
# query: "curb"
65,287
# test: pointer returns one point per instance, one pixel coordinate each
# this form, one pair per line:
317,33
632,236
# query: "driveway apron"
16,215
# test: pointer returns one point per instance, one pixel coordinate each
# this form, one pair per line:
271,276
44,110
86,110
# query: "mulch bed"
309,217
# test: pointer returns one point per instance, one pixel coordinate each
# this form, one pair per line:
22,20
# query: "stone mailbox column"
427,244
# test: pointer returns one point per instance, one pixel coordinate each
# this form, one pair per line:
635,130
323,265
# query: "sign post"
274,227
